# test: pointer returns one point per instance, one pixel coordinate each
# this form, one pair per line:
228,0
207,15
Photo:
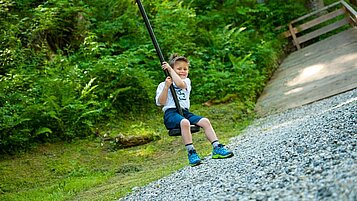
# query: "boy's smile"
181,68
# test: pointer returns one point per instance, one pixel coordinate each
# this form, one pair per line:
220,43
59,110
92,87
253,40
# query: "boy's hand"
168,82
166,66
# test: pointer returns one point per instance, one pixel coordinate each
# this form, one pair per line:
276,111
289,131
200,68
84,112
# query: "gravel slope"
307,153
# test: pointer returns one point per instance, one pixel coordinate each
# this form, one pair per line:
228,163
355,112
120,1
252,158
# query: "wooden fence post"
294,36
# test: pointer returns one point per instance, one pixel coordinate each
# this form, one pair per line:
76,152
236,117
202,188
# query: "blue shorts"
172,118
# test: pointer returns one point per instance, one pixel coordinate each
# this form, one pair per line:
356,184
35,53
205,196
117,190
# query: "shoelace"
193,155
220,149
192,152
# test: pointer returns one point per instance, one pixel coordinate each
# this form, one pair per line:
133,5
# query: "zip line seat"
177,131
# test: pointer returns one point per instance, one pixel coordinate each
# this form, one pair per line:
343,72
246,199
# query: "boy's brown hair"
175,57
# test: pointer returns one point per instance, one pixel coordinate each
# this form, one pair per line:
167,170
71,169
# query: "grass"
86,169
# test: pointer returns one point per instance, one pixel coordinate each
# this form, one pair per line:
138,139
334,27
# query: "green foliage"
176,27
68,66
125,86
61,24
280,13
88,170
51,105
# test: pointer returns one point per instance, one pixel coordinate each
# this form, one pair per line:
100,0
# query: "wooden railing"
300,32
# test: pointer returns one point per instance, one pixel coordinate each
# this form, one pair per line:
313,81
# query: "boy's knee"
185,123
205,120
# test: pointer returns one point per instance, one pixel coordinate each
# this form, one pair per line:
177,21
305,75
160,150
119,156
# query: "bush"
68,66
124,85
41,107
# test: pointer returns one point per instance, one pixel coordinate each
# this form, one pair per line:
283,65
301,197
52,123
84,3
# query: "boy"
178,70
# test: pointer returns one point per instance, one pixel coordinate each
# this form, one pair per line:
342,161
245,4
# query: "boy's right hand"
168,82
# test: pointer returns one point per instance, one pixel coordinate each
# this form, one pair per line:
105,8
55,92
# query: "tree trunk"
132,141
122,141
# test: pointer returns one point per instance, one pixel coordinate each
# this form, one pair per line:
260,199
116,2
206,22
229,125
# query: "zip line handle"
159,53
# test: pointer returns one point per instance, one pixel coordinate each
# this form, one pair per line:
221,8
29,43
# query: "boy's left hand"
166,66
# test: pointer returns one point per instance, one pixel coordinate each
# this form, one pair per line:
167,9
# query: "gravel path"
307,153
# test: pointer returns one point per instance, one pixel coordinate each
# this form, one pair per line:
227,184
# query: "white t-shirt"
183,95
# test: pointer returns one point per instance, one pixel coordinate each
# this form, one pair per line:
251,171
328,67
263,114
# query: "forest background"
73,68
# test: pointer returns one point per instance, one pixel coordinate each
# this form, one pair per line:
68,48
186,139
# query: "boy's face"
181,68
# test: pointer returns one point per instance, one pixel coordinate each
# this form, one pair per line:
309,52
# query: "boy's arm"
163,96
176,78
164,93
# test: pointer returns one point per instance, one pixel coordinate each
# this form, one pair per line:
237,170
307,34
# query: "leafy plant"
67,67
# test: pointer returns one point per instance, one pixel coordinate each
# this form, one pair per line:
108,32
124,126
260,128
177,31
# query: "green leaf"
43,130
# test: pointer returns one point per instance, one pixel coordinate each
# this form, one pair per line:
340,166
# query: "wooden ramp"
321,70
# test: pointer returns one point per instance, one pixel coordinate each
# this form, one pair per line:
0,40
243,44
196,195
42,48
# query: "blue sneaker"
221,152
193,158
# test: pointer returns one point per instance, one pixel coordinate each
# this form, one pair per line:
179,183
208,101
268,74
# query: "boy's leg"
208,129
174,120
219,151
193,157
203,123
186,131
